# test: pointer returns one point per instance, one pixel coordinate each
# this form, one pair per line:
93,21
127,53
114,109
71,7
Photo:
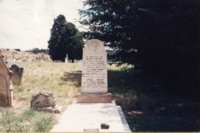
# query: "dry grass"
38,76
47,76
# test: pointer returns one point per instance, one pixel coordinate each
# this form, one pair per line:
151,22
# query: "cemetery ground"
145,105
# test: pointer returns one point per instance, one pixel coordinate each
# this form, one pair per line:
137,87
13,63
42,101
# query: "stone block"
94,98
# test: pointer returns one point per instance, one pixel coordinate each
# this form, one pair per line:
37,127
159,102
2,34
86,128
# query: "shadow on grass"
147,107
73,77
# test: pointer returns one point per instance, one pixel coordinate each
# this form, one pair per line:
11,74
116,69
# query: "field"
145,106
38,76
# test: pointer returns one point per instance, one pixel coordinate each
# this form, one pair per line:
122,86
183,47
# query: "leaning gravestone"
17,74
94,84
5,87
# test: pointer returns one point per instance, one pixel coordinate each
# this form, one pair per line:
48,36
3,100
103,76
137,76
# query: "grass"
38,76
145,105
27,121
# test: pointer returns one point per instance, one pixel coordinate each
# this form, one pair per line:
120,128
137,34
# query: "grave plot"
94,110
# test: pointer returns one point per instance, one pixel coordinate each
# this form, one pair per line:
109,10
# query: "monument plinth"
94,83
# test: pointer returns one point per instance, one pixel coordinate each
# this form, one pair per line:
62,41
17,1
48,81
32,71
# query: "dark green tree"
159,36
64,40
37,50
56,43
76,49
74,41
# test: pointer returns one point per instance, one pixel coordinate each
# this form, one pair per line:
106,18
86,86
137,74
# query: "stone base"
89,117
94,98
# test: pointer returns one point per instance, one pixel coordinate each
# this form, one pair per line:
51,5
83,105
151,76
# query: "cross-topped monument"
94,83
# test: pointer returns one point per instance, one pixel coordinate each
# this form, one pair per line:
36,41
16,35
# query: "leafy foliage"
64,41
160,37
37,50
75,42
57,50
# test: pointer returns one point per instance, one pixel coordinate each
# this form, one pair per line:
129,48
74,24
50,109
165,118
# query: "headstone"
17,74
94,71
5,87
94,84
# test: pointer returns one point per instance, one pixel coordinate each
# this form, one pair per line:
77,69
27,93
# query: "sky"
26,24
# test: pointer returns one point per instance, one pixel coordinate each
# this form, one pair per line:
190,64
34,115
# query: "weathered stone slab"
89,117
43,99
5,87
94,98
17,74
94,69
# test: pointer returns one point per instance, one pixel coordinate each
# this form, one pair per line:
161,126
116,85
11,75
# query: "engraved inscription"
94,65
95,72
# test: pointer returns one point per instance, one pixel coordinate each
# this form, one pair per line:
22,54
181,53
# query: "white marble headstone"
94,71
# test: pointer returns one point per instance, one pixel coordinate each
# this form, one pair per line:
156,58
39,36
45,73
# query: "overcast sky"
26,24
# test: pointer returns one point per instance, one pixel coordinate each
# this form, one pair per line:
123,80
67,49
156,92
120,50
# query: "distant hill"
30,55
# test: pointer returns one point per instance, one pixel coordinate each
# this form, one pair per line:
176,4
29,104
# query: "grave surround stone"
94,83
88,117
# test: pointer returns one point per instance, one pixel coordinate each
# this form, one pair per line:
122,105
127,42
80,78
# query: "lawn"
145,105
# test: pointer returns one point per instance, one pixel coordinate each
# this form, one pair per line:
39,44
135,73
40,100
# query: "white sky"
26,24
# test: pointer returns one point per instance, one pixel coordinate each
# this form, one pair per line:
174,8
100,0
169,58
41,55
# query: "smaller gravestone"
5,87
94,84
17,74
44,101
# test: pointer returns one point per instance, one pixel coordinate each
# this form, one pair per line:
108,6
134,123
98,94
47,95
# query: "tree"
57,50
76,50
161,37
37,50
63,40
75,42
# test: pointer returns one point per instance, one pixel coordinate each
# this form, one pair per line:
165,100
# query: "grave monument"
5,87
94,110
94,83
